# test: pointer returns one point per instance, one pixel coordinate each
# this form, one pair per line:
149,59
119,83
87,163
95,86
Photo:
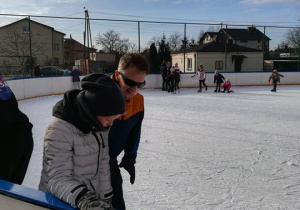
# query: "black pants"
274,85
116,182
218,87
15,152
200,84
164,83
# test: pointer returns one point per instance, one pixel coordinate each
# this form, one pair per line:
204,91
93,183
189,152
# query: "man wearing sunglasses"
125,133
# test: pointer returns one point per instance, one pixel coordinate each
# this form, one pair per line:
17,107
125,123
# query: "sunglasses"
132,83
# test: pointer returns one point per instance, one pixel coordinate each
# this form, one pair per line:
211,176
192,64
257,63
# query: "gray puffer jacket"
76,158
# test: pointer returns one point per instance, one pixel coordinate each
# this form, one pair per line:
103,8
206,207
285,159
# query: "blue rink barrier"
14,196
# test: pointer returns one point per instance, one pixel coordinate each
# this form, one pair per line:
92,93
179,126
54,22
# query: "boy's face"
133,74
107,120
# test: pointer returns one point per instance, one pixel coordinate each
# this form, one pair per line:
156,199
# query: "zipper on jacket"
99,145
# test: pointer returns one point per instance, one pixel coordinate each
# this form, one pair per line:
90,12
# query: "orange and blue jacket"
125,132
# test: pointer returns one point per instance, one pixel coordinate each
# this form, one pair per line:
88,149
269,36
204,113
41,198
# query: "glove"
128,165
268,81
204,79
90,201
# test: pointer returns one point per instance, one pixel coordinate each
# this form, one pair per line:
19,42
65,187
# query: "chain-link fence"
139,34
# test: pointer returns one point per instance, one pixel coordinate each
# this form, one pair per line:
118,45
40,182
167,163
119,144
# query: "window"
218,65
55,47
26,29
189,63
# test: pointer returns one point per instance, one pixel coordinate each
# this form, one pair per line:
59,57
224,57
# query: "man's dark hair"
134,60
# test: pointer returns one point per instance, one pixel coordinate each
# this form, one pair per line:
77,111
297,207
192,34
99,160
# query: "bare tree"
111,41
132,47
213,28
20,49
174,41
293,39
156,40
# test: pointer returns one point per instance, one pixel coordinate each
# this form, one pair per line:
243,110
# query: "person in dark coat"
37,71
218,79
76,77
164,75
16,142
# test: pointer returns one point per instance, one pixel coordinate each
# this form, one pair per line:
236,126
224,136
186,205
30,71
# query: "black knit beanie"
103,95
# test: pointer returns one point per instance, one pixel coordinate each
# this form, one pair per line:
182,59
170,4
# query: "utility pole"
87,41
184,47
29,60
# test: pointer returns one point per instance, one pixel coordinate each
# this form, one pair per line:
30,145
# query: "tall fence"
139,34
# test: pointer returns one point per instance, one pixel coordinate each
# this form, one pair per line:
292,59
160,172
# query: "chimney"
251,29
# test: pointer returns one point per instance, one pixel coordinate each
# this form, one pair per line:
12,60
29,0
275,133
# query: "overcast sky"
243,12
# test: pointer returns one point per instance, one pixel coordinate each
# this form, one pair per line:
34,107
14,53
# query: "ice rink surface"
205,150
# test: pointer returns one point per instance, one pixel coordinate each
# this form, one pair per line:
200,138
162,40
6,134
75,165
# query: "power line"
148,21
215,21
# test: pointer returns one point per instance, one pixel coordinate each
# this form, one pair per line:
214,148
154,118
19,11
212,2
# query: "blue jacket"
125,132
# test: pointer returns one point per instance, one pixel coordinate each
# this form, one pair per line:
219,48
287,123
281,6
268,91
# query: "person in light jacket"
202,77
76,152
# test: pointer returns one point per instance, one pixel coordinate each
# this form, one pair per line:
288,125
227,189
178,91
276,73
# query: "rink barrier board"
30,87
18,197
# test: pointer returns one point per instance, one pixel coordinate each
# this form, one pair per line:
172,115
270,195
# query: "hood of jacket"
74,109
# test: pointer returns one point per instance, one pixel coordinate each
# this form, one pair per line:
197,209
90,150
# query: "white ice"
205,150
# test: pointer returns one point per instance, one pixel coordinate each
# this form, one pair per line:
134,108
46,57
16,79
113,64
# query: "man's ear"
116,75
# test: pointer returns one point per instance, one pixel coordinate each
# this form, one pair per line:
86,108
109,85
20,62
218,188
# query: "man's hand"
128,165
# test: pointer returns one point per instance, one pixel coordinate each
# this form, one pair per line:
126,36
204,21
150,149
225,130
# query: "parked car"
51,70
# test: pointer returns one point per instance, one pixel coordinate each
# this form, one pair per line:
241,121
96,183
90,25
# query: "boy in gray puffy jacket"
76,155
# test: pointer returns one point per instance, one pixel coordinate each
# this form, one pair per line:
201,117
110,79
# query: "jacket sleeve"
222,77
134,139
59,164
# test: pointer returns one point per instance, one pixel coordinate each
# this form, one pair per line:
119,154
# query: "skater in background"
37,71
202,77
227,86
176,68
275,77
16,141
76,153
173,81
218,79
163,72
75,77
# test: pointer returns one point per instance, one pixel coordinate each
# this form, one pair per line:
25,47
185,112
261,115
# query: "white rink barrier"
28,87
